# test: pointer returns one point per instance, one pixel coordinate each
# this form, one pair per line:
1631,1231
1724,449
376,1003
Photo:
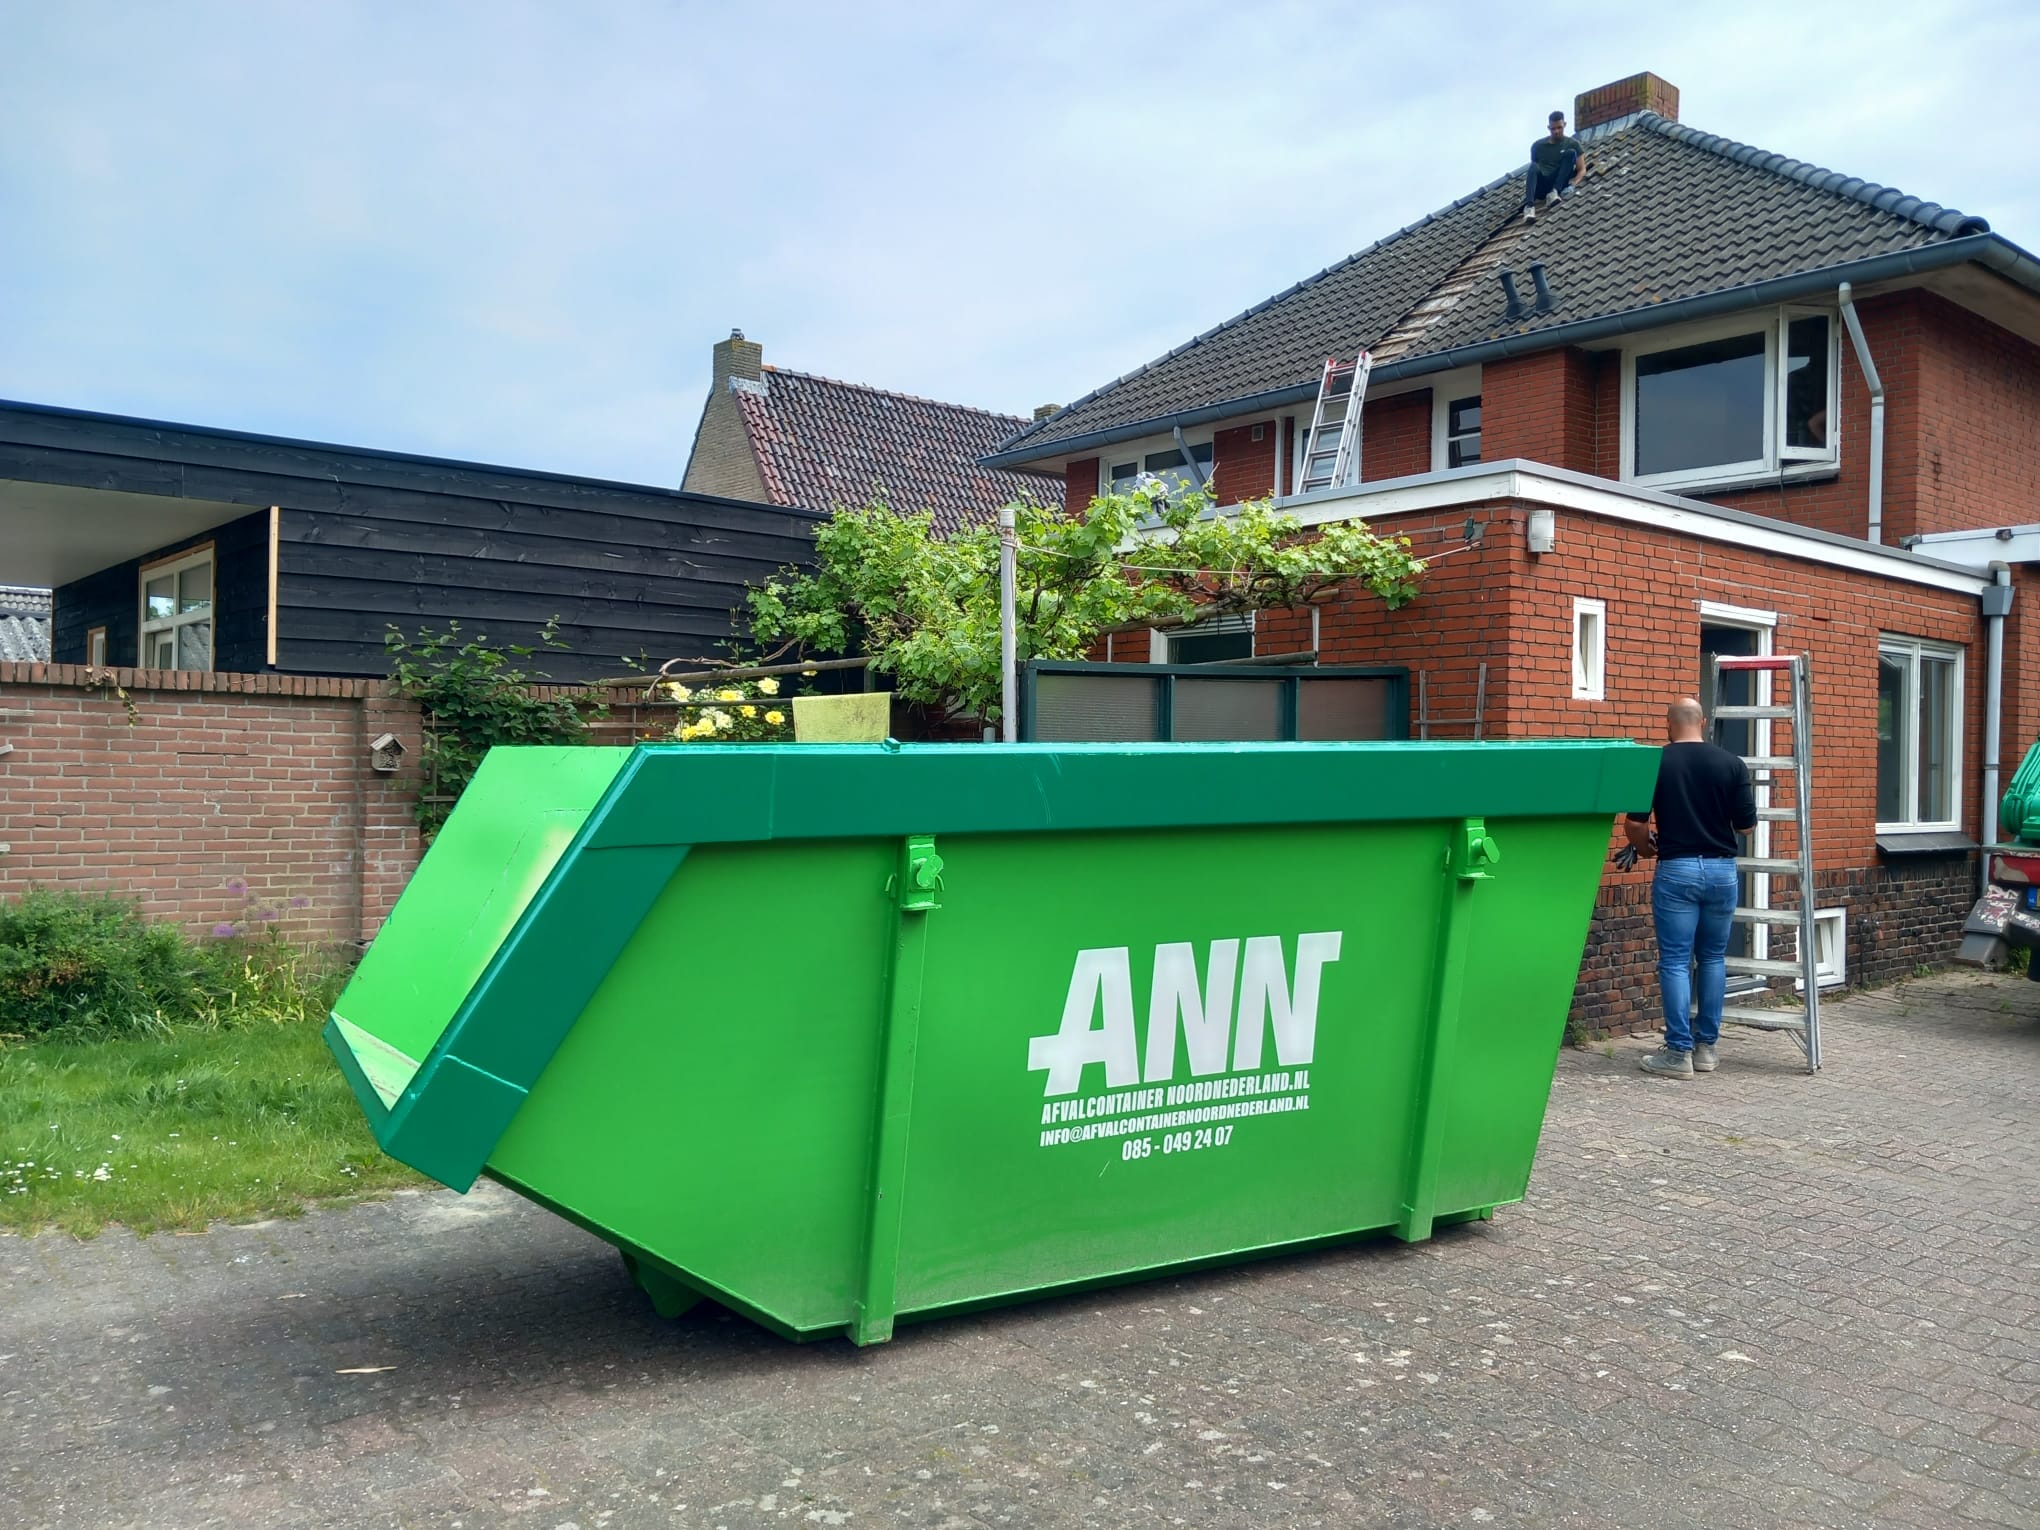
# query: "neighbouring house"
181,547
208,724
24,625
1718,401
791,438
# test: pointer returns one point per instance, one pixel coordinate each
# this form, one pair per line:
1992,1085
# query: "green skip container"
838,1036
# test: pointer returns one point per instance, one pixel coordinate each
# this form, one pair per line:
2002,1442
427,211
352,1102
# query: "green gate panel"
845,1035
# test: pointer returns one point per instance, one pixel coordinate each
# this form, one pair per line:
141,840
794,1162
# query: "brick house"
790,438
1639,432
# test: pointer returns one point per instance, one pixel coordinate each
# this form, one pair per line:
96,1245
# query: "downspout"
1997,605
1876,386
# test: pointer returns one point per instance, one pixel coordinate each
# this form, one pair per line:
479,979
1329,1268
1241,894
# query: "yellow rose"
729,694
768,687
748,711
678,691
680,730
775,717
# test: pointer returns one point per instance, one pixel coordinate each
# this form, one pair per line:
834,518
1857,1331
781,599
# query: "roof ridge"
912,398
1944,220
1266,303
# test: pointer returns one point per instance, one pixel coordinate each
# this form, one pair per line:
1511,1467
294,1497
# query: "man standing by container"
1702,802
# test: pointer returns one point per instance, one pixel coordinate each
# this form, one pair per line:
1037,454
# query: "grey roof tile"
824,444
24,639
1666,212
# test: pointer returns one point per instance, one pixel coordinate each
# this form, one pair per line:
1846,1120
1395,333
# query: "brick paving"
1755,1299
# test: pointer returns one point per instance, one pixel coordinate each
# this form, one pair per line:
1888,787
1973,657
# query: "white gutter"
1875,532
1997,604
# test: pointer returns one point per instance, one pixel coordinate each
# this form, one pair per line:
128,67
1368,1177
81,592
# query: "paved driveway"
1755,1299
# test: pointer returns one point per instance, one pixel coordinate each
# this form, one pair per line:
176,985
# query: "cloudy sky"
511,232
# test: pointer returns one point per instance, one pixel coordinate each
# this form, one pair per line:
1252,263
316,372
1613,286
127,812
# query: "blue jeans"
1692,904
1537,185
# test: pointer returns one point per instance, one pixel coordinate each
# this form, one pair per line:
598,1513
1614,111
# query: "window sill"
1704,488
1909,842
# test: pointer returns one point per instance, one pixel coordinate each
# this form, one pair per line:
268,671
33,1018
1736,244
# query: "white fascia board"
1535,483
1983,546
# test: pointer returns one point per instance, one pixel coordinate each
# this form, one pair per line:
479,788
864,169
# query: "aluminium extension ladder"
1331,452
1765,769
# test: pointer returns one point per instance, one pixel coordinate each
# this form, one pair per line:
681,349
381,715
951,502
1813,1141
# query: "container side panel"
1528,928
1068,1124
713,1104
519,813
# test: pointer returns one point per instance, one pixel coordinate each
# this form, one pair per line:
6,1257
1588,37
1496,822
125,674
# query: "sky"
510,233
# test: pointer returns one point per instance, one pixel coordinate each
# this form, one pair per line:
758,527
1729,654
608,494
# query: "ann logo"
1223,1022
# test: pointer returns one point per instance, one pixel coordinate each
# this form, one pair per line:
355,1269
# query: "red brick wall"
1497,602
1080,485
1243,468
1542,407
219,779
1395,438
1978,440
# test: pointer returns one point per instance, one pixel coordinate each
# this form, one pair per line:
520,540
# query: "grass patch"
180,1128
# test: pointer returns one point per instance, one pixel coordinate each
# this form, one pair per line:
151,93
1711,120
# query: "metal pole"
1009,645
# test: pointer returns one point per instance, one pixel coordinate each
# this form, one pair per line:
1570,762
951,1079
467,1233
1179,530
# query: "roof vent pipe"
1545,301
1875,530
1514,310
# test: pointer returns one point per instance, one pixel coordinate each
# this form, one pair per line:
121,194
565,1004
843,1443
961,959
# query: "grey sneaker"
1551,199
1666,1063
1704,1060
1529,215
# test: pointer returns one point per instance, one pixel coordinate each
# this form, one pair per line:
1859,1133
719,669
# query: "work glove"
1625,858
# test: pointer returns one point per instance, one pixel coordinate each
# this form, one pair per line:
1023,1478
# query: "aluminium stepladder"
1766,770
1331,452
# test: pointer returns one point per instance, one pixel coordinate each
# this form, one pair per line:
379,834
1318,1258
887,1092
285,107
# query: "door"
1737,735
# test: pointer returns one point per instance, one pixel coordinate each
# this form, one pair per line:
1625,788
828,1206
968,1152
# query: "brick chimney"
1043,411
1639,93
735,357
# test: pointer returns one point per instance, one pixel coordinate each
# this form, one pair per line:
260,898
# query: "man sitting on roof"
1556,167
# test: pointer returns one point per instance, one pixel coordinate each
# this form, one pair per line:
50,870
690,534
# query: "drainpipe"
1997,605
1876,385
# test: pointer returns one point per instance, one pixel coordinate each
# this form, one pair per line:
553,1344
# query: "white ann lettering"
1101,989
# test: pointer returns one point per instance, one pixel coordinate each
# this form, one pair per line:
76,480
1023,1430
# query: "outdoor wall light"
1543,530
384,752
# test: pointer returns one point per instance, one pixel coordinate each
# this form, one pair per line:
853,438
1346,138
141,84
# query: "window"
1590,650
95,647
1462,431
1121,477
1830,950
1919,734
1745,401
177,601
1222,637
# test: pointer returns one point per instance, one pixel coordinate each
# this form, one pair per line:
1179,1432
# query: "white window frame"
1830,950
1139,451
1162,640
1776,460
1589,660
95,647
148,629
1890,645
1446,389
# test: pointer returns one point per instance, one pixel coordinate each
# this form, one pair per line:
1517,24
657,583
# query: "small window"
95,648
1462,431
1919,734
1124,477
1590,650
177,613
1830,950
1223,637
1807,388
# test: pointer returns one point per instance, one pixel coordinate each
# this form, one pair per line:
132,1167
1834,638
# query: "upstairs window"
1744,401
1209,641
177,612
1123,477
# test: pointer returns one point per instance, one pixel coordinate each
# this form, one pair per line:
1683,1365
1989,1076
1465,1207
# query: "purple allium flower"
268,915
225,931
301,903
238,887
